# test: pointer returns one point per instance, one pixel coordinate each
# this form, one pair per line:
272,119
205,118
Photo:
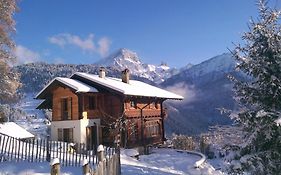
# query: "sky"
176,32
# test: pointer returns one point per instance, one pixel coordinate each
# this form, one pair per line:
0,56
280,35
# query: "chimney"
126,76
102,72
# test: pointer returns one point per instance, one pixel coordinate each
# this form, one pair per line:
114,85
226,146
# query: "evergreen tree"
260,97
8,80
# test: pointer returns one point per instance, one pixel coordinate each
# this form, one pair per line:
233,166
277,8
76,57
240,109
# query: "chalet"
94,109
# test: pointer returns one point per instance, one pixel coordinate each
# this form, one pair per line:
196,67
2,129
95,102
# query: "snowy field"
160,161
34,120
28,168
166,162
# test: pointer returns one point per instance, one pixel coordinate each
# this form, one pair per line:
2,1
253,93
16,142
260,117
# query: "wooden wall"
60,93
151,113
150,107
108,106
108,109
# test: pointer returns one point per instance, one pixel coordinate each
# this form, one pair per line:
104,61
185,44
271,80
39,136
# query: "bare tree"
8,79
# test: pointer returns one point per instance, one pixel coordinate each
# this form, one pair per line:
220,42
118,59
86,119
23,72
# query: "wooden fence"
40,150
107,165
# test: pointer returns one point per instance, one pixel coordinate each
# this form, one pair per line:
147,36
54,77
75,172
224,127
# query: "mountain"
34,76
125,58
121,59
206,89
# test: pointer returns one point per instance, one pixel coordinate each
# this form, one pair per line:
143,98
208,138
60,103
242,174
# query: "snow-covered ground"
160,161
28,168
165,161
34,120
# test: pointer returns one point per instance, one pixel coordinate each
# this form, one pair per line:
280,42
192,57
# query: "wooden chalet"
96,109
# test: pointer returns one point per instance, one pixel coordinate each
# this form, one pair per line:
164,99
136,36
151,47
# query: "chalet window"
66,108
92,102
152,129
65,135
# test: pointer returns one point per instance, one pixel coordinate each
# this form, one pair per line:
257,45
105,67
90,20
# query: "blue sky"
174,31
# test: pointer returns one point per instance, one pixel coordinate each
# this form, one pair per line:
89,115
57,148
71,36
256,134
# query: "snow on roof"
14,130
134,87
77,85
74,84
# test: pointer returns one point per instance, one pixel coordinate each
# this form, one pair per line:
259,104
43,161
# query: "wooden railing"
145,112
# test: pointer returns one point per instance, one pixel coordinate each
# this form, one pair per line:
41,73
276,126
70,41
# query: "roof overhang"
45,104
74,85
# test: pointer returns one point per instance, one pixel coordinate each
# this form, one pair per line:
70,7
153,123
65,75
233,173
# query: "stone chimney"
102,72
125,76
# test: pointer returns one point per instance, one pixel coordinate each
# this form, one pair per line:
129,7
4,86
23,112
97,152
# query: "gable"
74,85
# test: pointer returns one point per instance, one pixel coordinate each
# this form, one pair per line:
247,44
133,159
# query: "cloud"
86,45
104,44
58,40
25,55
187,91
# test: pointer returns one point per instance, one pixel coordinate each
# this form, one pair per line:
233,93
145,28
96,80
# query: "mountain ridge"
124,58
206,89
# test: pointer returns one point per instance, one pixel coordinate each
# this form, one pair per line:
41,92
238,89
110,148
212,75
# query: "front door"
92,137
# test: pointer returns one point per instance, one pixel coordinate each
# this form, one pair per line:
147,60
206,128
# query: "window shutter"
71,135
60,134
69,107
61,109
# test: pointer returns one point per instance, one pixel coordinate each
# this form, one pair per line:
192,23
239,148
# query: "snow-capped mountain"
121,59
206,89
218,64
125,58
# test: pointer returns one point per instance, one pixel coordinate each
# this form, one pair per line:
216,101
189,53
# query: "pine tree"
8,80
260,97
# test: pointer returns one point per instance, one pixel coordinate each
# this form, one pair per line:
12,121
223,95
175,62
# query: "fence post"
101,161
48,157
86,167
100,152
117,150
55,166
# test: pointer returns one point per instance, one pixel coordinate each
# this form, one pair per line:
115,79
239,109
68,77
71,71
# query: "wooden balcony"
145,112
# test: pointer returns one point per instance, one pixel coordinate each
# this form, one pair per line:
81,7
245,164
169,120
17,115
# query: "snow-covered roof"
74,84
14,130
77,85
134,87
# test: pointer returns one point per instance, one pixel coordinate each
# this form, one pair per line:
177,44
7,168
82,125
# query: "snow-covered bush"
10,113
183,142
205,146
